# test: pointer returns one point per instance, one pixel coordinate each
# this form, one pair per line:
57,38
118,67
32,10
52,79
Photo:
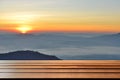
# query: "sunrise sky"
60,15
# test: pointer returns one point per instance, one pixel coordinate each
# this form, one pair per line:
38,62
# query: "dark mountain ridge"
26,55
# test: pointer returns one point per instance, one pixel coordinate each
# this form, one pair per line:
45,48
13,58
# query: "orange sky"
65,28
88,23
60,15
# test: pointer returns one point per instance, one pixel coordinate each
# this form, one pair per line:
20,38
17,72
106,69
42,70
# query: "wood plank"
60,69
60,61
59,66
59,75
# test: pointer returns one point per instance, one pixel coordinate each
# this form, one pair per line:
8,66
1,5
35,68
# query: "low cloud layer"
62,44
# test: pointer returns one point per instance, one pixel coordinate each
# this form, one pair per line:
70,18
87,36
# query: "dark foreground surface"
60,69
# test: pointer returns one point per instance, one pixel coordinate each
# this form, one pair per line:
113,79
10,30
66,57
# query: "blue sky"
88,5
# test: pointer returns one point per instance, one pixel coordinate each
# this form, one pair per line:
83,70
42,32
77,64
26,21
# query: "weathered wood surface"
60,69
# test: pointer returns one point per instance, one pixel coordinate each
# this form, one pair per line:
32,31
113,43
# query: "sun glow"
24,29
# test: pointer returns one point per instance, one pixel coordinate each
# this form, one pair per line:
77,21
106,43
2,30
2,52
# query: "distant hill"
26,55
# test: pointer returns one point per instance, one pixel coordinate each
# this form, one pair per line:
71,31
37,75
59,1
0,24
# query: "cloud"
72,51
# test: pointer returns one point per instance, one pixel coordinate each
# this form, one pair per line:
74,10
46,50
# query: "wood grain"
60,69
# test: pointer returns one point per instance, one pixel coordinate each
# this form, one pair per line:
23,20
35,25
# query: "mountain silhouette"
26,55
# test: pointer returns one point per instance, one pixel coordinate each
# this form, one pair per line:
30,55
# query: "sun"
24,29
